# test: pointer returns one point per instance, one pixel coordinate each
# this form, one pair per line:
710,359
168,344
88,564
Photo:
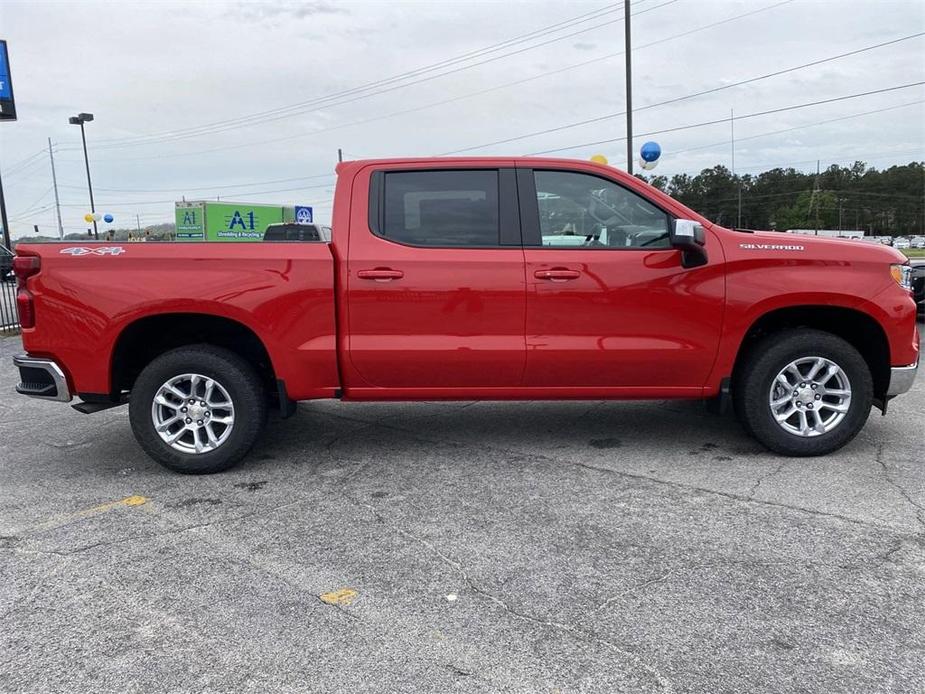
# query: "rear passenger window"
441,208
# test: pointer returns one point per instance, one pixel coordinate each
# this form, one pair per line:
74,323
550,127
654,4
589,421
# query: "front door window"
579,210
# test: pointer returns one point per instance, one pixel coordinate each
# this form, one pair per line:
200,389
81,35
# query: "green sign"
190,223
224,221
230,222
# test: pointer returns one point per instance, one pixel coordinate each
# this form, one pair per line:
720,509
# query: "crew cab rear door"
609,304
436,296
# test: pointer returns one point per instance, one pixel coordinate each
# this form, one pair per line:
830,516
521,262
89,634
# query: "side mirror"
689,237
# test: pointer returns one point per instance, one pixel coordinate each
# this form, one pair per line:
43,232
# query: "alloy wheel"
193,413
810,396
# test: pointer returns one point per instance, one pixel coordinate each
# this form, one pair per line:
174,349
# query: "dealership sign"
303,215
7,103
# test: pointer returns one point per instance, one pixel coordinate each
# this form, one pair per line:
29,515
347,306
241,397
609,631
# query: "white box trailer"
830,233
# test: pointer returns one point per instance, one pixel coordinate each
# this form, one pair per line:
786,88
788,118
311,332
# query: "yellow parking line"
344,596
128,501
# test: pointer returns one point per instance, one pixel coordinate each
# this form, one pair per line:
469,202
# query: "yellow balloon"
88,218
599,159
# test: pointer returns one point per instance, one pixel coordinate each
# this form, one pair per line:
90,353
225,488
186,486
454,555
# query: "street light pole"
80,119
629,87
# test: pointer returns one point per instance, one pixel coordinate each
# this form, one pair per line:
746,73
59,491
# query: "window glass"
582,211
441,208
291,232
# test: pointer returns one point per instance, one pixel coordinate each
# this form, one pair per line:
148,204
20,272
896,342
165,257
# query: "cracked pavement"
493,547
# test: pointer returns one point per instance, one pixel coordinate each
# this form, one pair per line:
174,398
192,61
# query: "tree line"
889,202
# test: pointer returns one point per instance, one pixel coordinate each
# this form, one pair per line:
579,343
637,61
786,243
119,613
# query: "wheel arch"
858,328
146,338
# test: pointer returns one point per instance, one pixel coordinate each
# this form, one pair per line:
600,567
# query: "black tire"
234,374
766,359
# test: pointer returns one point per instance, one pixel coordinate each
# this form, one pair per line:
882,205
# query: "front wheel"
197,409
804,392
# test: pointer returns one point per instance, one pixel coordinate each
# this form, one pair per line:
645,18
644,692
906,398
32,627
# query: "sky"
250,101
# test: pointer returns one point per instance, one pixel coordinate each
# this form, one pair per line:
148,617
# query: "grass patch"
914,252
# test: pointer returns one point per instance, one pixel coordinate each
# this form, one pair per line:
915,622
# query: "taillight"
26,307
24,266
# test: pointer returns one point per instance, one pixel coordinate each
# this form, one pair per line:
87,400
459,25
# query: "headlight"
903,275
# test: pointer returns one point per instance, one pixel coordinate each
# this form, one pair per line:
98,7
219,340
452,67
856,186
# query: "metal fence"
9,316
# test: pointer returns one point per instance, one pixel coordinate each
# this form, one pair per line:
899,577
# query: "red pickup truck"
469,279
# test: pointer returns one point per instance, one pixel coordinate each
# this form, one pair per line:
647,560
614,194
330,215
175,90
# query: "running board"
94,407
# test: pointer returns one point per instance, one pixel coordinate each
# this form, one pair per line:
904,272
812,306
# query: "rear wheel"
197,409
804,392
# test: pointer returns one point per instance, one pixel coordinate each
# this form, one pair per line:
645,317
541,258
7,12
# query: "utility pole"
840,201
54,183
732,140
732,137
629,87
138,223
815,192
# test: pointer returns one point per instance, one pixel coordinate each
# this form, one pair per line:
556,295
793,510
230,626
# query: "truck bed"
282,292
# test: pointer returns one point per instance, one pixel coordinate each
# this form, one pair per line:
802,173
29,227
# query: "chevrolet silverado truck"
471,279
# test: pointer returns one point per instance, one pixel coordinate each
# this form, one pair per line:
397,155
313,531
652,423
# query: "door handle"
557,274
380,274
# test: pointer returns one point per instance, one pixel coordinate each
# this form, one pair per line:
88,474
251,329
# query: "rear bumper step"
41,378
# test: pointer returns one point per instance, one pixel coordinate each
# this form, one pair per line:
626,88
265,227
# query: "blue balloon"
107,218
650,151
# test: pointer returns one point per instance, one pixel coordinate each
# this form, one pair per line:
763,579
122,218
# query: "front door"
608,303
436,293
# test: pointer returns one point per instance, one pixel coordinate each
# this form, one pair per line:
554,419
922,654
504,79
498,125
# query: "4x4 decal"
103,250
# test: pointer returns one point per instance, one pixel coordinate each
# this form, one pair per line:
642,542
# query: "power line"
674,100
375,87
487,49
445,101
27,171
801,127
738,118
31,213
116,203
13,167
862,158
181,188
36,201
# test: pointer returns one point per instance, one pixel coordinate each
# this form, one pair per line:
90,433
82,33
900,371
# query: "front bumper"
901,379
41,378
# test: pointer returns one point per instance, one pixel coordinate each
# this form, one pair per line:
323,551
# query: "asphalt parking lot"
471,547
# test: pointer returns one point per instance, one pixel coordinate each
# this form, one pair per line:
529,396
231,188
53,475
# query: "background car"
297,232
918,284
6,264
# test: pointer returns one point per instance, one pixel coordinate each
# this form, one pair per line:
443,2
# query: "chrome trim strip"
57,376
901,379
